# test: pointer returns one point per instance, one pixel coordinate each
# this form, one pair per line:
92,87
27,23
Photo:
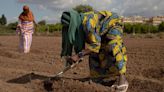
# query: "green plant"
83,8
161,27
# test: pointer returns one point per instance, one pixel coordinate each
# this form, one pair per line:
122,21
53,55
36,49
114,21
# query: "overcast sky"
50,10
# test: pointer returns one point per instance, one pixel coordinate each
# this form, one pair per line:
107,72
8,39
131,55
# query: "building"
157,20
143,20
133,19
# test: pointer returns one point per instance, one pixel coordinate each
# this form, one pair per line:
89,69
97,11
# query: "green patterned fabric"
72,34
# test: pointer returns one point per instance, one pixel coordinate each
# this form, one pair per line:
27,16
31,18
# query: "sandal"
120,88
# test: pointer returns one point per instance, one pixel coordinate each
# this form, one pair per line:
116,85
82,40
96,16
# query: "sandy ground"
145,69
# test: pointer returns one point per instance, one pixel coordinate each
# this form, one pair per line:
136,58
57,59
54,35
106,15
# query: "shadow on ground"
48,81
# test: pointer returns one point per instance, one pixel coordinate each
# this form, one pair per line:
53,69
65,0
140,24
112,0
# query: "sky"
51,10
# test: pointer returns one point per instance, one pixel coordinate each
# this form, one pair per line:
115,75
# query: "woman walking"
25,29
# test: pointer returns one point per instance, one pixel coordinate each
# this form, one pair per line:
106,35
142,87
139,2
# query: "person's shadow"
48,82
27,78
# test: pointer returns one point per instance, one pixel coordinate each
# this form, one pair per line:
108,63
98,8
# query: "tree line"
143,28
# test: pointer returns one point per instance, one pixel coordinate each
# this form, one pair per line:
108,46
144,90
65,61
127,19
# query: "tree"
55,27
58,26
3,20
83,8
13,26
161,27
128,28
42,22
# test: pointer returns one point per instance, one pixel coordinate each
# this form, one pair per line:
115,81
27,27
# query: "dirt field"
145,69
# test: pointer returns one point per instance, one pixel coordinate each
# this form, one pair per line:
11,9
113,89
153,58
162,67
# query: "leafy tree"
49,28
3,20
161,27
83,8
54,27
42,22
153,29
128,28
41,28
144,28
140,28
12,25
58,26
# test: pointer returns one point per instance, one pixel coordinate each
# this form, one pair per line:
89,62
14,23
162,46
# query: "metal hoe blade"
65,69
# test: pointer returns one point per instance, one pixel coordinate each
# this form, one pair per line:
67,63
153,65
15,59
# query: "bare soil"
145,68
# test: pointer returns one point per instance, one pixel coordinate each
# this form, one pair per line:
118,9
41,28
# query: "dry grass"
160,35
149,35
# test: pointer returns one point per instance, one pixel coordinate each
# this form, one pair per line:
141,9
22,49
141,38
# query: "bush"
12,26
50,28
40,28
42,22
161,27
140,28
160,35
128,28
83,8
4,30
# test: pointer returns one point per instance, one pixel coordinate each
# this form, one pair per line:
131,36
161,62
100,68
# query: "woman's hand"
75,58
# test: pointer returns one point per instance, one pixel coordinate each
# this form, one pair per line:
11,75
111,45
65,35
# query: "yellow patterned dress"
104,39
